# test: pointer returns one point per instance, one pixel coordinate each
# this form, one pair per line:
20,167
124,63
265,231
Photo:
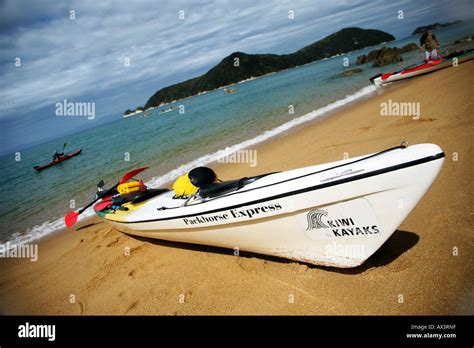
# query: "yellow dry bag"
129,187
183,187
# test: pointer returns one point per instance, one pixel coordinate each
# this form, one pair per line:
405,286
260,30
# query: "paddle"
71,218
62,151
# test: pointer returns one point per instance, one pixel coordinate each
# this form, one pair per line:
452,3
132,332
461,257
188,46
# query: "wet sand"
86,271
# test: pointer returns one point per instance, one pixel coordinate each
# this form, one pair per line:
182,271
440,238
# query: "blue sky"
82,59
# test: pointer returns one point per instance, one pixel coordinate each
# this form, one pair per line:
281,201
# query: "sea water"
32,203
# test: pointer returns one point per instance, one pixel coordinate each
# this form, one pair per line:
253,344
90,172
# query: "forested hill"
421,30
240,66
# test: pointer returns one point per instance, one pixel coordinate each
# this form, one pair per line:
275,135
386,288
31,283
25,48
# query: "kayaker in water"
430,44
57,155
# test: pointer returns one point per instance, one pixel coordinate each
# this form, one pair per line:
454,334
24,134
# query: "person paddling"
57,155
430,43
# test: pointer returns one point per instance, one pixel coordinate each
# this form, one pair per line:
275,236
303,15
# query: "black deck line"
307,189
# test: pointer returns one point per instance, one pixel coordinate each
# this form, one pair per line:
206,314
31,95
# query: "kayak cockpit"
220,188
166,199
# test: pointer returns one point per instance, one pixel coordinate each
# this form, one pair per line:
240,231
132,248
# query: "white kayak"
335,214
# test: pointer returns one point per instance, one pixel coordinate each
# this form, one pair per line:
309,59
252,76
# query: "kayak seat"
220,188
137,197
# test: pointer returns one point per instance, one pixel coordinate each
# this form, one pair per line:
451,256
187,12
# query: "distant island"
253,65
421,30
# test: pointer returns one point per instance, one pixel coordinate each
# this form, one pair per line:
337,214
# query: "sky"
116,54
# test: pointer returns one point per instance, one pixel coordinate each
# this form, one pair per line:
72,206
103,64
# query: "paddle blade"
102,205
131,174
71,218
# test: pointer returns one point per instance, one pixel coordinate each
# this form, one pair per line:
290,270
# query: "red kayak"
65,157
423,67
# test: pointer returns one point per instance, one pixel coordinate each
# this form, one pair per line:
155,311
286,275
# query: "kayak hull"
53,163
335,214
421,69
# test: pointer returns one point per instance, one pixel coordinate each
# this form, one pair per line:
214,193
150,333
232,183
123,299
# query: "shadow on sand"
396,245
89,225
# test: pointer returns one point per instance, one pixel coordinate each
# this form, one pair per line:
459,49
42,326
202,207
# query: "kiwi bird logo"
315,219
